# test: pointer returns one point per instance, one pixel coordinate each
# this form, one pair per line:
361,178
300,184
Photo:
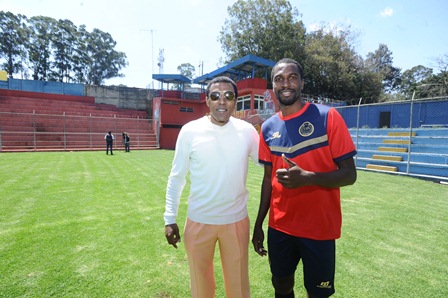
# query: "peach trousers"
200,242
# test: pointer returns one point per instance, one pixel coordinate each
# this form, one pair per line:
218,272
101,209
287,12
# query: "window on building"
259,102
243,103
186,110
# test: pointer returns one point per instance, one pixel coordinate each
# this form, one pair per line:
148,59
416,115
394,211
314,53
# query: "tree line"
333,69
42,48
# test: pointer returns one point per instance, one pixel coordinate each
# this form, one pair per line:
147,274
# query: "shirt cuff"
169,219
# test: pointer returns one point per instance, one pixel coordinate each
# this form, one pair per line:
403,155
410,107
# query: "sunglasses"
216,95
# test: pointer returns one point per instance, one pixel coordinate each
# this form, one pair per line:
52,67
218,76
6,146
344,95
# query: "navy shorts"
318,258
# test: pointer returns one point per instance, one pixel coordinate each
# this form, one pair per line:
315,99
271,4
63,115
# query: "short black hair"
288,61
222,79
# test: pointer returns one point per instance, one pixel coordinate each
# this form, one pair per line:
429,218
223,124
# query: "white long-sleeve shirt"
217,159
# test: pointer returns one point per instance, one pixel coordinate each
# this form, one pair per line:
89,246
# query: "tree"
57,51
442,77
14,36
272,30
381,62
41,46
412,78
333,69
80,56
368,85
99,58
424,82
268,29
65,42
187,70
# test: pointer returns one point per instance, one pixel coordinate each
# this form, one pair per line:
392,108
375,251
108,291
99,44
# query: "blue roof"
171,78
239,69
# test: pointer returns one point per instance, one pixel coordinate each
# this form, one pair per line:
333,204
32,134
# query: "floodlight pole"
152,55
201,66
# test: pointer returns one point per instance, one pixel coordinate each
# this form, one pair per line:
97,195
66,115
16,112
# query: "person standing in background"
126,142
109,137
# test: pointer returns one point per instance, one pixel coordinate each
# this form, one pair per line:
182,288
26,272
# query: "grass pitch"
87,224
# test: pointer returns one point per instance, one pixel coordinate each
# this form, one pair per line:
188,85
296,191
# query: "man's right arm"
173,193
175,185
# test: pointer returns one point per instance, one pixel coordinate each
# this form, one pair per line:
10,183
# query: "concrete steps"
423,152
392,149
381,168
32,121
387,157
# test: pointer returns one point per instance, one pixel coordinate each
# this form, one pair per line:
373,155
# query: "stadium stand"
34,121
422,152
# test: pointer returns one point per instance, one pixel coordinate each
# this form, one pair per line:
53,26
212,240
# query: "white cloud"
387,12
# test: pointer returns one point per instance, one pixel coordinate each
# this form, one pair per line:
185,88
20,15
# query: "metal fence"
402,114
45,132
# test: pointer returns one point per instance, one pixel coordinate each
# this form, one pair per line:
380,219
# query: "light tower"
161,59
151,85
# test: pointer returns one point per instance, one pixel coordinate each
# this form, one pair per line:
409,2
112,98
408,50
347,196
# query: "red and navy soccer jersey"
315,138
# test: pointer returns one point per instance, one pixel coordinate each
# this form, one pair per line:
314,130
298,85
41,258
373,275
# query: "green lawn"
87,224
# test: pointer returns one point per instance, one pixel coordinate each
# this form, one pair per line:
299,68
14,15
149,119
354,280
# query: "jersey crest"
306,129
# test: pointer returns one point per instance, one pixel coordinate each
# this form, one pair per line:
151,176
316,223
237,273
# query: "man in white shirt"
215,150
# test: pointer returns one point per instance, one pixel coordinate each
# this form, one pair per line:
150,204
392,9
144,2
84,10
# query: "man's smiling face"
287,84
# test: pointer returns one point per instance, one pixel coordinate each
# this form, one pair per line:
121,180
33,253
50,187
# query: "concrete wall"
43,86
121,97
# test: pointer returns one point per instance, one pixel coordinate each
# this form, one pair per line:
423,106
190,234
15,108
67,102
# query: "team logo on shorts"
306,129
324,285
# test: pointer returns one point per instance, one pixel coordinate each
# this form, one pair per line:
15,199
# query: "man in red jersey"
307,154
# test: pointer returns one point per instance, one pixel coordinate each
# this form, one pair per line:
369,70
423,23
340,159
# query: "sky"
187,31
